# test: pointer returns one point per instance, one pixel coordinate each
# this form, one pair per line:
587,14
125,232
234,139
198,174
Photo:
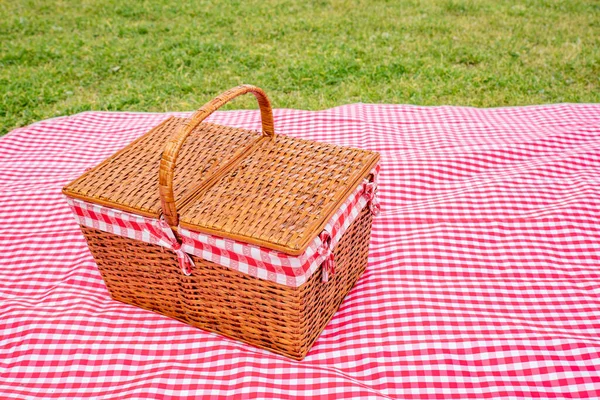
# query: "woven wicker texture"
128,179
170,154
269,190
275,317
280,196
274,191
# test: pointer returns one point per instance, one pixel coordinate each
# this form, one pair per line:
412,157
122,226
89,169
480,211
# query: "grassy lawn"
63,57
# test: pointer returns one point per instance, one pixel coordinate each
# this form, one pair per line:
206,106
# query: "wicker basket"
263,192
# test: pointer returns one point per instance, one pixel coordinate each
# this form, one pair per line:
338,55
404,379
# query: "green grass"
63,57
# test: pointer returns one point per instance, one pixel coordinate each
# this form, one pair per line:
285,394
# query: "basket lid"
128,179
273,191
280,196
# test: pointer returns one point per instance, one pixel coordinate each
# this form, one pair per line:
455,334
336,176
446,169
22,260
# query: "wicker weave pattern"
171,151
275,317
269,190
264,189
280,196
128,179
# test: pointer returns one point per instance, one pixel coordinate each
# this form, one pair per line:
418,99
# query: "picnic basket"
253,235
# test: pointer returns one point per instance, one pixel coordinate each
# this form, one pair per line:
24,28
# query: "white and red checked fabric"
279,267
252,260
132,226
483,279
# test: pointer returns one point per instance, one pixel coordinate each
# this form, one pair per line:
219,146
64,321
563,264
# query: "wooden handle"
169,156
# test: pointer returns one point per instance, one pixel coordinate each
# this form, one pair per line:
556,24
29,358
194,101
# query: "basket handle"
169,156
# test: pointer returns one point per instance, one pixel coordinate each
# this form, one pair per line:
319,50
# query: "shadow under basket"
282,319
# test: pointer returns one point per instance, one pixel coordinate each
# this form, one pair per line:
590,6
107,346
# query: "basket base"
278,318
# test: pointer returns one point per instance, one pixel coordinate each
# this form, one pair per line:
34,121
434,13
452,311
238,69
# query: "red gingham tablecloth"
483,280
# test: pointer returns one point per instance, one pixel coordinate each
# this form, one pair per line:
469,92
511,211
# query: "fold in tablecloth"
483,281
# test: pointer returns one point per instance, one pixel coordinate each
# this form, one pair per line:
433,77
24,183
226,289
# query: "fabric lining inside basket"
250,259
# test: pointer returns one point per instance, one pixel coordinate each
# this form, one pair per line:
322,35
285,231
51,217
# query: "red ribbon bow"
185,261
328,266
371,195
164,234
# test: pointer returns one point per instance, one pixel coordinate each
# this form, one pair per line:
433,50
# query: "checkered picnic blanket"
483,277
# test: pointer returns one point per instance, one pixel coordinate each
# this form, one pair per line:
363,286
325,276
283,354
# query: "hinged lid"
128,180
269,190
